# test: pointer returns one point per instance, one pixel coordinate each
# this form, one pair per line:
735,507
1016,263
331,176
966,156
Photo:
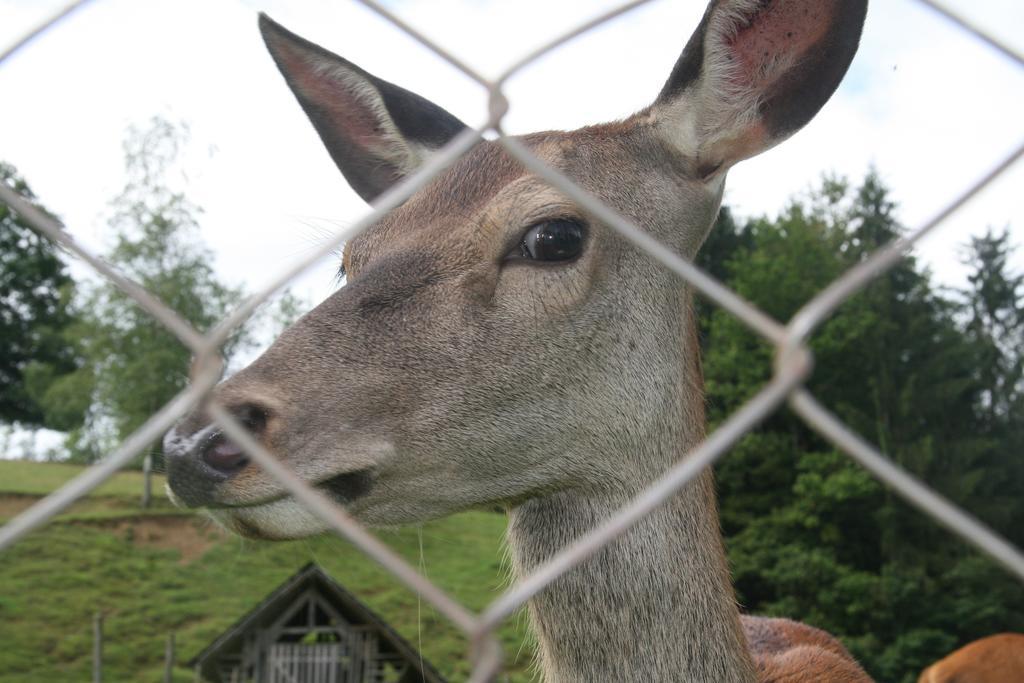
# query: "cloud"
929,106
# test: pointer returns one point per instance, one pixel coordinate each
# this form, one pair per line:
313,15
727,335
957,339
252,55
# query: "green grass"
34,478
53,581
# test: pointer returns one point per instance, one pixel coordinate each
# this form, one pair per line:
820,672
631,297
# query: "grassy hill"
162,570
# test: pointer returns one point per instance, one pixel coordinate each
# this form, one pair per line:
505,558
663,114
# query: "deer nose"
199,459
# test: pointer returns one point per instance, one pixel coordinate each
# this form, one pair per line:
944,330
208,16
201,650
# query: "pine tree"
996,321
812,535
994,303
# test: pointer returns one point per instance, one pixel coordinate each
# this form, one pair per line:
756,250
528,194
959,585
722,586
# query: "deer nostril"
223,455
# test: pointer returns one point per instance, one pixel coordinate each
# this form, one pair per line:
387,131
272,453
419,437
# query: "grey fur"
454,379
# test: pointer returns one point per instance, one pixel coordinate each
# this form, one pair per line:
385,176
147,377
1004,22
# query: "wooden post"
169,659
147,480
97,648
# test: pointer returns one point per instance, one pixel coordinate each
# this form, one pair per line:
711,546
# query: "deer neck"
657,603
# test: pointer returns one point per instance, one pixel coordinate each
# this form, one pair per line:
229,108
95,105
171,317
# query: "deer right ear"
755,72
376,132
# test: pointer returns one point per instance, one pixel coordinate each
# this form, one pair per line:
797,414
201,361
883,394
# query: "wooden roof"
278,601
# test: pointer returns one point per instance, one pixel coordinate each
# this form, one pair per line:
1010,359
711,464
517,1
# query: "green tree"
35,292
134,365
996,320
811,535
994,302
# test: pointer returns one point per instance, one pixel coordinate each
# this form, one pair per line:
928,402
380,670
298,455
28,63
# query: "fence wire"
792,366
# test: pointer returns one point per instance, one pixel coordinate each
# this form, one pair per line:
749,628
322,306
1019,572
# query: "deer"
495,345
995,659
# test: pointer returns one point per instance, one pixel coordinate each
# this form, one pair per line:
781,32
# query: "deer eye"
560,239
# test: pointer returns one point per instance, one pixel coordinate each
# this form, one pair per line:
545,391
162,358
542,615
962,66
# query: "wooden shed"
311,630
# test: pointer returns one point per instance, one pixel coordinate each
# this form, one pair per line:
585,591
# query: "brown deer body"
995,659
496,345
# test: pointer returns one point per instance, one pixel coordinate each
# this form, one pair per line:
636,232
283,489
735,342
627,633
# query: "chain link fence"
792,365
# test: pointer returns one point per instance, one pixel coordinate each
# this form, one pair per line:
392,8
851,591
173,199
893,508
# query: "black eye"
555,240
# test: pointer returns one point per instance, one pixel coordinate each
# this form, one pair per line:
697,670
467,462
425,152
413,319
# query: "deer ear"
376,132
754,73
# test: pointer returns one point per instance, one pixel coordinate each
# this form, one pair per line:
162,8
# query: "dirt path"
190,535
13,503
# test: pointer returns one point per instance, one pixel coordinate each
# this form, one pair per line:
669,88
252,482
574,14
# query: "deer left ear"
376,132
755,72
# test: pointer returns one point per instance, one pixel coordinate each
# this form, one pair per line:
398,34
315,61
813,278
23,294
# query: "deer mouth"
283,517
341,488
348,486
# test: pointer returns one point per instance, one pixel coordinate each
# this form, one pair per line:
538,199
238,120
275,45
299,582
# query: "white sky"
928,105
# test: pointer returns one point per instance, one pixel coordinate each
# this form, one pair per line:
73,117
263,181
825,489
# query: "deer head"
494,343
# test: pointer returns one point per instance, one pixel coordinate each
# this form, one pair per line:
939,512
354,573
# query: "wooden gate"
305,663
352,660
